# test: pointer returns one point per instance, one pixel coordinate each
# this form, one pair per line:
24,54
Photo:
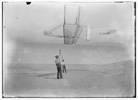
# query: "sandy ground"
109,80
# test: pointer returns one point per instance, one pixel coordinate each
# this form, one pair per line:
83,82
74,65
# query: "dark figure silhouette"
58,64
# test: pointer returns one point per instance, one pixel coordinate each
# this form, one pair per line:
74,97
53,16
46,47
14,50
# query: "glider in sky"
71,26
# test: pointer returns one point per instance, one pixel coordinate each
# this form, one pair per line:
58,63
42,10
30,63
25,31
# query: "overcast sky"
24,39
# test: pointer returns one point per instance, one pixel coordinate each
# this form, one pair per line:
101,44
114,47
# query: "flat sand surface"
108,80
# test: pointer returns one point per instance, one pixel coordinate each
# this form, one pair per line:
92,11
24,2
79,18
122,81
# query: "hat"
56,56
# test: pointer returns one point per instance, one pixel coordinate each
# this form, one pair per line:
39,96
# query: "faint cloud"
26,50
108,32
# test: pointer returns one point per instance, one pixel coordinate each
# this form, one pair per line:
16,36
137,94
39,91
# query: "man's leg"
60,73
58,70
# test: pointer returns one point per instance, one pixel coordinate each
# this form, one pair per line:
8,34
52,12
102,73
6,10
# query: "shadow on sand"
45,75
50,78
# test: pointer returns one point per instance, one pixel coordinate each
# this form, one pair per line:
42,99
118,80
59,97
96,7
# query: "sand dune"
108,80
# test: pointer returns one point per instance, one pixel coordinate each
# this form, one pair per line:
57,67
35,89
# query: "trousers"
59,71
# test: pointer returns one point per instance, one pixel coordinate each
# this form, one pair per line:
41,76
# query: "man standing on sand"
58,64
